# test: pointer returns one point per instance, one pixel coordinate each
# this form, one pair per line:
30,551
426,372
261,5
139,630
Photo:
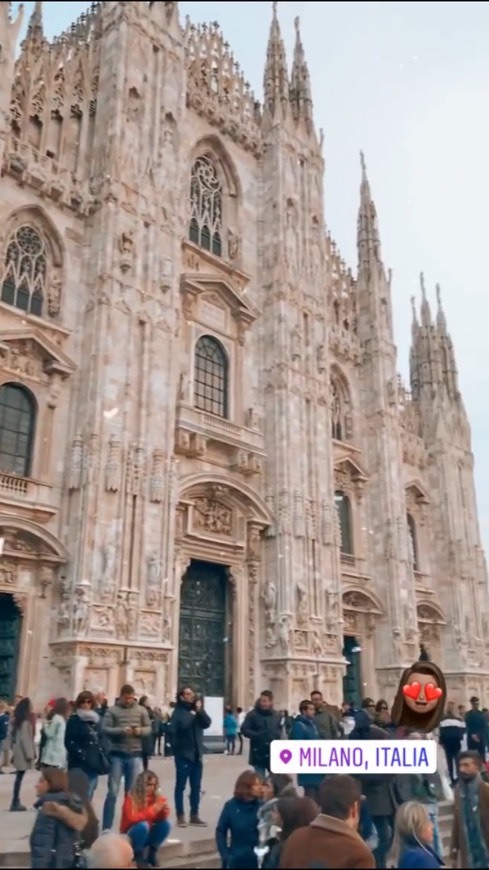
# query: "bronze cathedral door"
10,628
202,654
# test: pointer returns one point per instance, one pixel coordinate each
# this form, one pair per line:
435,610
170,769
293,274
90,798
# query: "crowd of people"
369,820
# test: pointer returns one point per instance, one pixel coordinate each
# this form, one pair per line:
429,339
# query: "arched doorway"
204,629
10,632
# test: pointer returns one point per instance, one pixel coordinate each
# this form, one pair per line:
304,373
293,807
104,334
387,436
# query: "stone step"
196,855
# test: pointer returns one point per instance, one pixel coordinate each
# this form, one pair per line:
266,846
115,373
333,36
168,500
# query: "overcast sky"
408,82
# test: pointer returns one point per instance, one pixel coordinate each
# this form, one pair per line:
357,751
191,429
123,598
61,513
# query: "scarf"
88,716
478,853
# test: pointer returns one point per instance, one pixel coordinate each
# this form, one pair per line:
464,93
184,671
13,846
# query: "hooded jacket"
52,842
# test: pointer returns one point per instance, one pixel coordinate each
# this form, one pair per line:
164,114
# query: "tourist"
412,846
241,717
276,786
332,838
158,729
230,728
261,726
148,742
470,826
85,823
326,722
23,749
292,813
125,724
382,717
4,743
304,728
52,842
422,788
82,741
110,851
378,789
144,819
53,753
475,722
237,827
452,731
347,721
187,725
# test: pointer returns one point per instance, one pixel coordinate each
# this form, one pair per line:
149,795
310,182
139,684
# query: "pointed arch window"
24,272
413,542
343,506
205,228
211,377
17,422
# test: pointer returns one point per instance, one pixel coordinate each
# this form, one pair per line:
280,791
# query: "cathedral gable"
28,352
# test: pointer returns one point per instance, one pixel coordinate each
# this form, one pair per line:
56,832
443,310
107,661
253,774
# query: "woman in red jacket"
145,818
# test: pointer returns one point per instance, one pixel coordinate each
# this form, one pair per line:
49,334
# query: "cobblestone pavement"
220,773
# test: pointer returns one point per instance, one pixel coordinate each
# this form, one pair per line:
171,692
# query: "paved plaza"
220,773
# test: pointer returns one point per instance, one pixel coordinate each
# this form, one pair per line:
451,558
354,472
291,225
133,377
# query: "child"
230,730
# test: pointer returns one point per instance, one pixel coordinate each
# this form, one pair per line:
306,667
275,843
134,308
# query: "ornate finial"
438,295
363,164
297,24
413,306
422,285
274,8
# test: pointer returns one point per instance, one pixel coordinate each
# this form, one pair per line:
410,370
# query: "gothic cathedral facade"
210,471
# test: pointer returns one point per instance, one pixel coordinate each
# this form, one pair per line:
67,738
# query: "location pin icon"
285,756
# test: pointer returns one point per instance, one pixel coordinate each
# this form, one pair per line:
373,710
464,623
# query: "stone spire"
276,77
368,238
425,305
9,32
300,83
449,365
34,38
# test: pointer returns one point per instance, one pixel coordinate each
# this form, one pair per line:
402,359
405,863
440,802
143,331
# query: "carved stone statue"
284,632
302,608
233,245
254,544
113,469
81,611
321,363
317,648
270,601
296,344
120,620
153,584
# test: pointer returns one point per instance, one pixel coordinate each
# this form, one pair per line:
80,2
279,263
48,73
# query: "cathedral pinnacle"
425,305
276,77
368,238
440,314
300,83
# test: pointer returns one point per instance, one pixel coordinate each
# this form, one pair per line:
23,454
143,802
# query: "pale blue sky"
409,83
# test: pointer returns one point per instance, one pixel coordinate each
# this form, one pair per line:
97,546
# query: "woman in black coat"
148,743
82,741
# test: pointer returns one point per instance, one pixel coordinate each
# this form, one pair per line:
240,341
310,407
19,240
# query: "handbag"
103,763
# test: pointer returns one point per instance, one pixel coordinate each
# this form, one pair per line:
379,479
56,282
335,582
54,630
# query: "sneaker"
181,823
197,822
17,807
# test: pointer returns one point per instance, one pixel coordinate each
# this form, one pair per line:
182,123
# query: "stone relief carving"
210,515
102,618
126,250
254,543
150,625
8,573
91,457
108,581
316,645
326,522
233,245
153,583
284,512
54,296
76,464
55,387
113,468
311,526
157,479
120,617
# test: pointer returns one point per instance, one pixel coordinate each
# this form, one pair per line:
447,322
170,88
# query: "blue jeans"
128,767
433,814
92,785
145,836
191,771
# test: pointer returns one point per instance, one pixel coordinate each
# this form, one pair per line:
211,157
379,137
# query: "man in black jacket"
186,727
262,725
